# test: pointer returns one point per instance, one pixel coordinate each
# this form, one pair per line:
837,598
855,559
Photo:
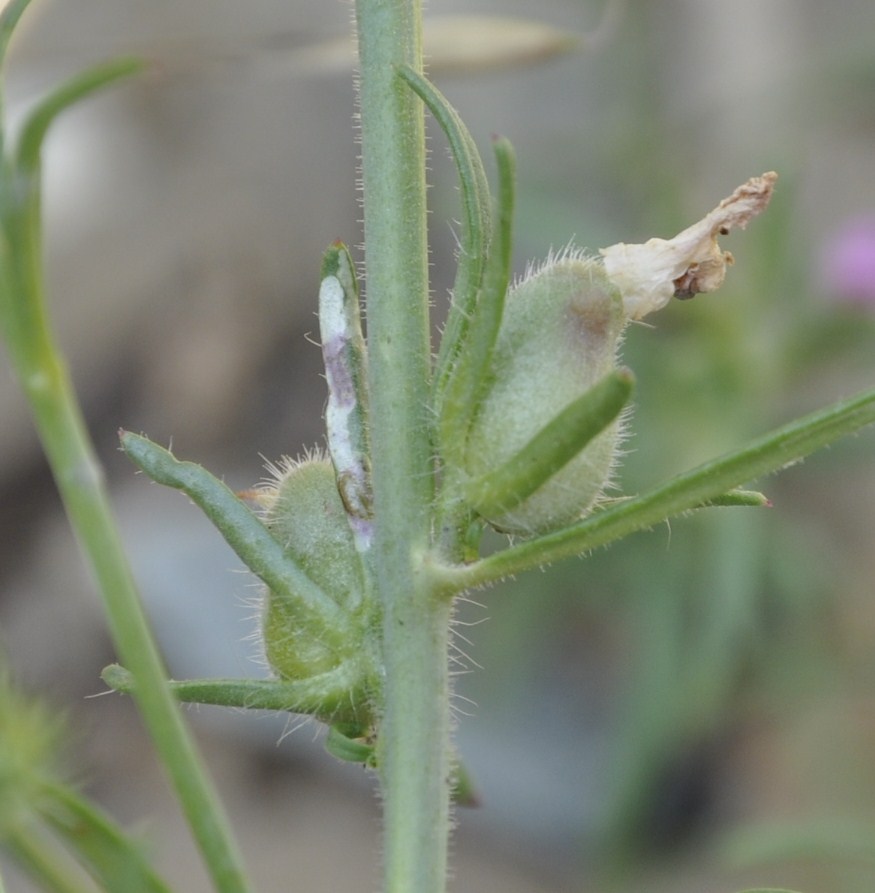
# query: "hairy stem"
413,748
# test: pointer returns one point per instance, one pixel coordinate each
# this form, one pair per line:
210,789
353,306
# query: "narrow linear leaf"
476,211
556,444
78,87
469,376
326,694
241,529
768,454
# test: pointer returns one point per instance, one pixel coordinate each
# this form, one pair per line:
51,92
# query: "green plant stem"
706,483
79,478
413,746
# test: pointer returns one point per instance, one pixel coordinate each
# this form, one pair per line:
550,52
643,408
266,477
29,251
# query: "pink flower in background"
849,261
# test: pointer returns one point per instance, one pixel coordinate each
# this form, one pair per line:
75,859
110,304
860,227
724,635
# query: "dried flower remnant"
650,275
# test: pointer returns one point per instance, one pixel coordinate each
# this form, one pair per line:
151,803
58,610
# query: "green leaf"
78,87
556,444
332,694
474,238
770,453
470,375
242,530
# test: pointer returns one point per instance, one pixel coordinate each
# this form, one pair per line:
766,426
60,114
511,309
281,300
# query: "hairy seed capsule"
306,515
558,336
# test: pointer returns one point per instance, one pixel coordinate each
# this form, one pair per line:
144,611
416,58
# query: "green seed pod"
532,462
307,517
558,337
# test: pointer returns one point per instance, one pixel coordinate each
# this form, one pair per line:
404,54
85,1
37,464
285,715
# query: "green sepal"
556,444
349,745
469,377
337,261
242,530
336,696
476,225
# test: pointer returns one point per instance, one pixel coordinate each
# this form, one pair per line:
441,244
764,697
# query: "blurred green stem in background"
46,382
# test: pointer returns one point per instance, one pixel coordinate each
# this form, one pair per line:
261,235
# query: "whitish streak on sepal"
344,354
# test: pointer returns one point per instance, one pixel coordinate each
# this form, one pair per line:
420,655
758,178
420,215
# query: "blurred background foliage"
636,711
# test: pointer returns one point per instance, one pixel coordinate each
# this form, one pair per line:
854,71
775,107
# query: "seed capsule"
306,515
558,337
